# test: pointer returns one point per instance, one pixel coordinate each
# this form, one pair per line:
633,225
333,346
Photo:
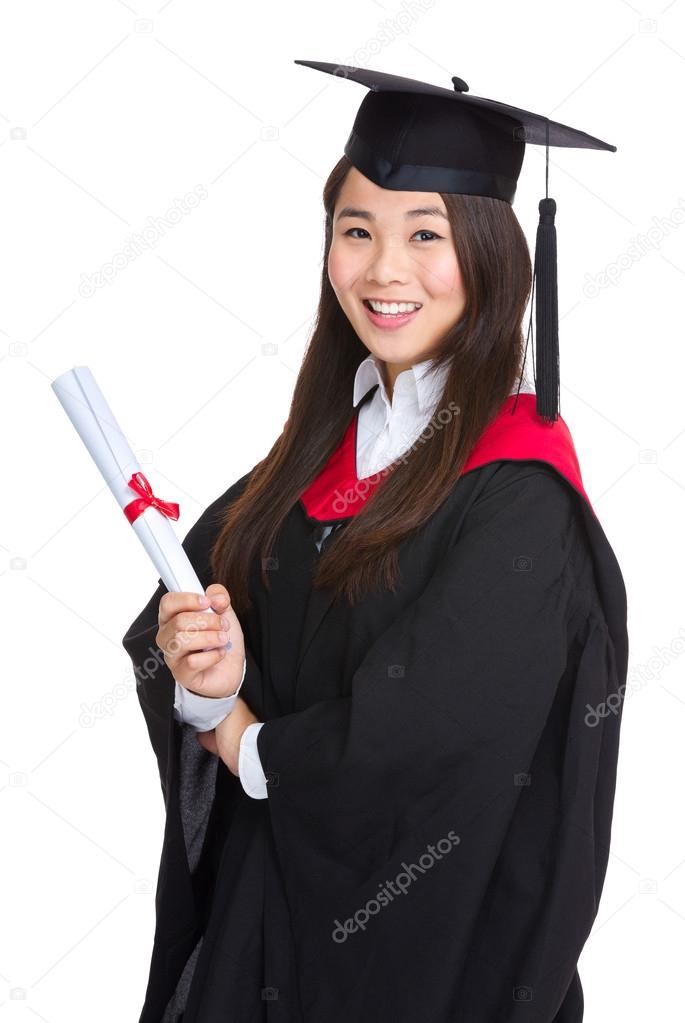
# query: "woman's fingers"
181,643
193,640
189,667
193,621
180,612
171,604
219,596
195,662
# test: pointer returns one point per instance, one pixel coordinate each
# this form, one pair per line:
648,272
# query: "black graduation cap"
414,136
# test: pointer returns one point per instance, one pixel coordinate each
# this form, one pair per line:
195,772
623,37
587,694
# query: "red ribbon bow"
147,499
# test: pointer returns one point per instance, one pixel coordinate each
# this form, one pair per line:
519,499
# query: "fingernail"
203,601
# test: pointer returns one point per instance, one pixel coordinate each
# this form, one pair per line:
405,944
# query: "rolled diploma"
93,420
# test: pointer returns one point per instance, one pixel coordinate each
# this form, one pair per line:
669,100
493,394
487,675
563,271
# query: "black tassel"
546,314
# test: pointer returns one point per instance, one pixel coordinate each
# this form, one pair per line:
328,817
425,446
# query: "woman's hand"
185,631
224,740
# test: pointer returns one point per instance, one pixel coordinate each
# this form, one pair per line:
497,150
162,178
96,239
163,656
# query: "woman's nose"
389,263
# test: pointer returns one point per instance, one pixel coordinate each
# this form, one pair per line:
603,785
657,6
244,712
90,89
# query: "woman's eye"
424,231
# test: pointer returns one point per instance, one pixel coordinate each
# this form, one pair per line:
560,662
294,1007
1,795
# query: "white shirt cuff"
203,712
250,770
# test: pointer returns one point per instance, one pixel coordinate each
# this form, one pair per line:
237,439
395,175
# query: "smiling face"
394,247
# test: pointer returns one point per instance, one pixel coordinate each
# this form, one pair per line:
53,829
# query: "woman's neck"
390,374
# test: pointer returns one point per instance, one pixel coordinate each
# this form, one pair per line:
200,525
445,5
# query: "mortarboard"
414,136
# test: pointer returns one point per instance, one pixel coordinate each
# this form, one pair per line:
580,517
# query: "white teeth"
393,308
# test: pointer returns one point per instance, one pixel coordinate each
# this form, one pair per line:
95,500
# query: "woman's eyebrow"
421,211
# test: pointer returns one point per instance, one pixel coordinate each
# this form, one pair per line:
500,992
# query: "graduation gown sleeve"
443,828
202,799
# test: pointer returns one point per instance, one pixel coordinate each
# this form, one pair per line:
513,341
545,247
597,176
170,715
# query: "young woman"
390,799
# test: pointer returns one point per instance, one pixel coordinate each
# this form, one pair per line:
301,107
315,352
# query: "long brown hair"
485,348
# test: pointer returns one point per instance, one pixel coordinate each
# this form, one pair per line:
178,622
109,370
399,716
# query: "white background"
110,111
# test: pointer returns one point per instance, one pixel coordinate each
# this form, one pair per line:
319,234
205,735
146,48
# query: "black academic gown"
441,771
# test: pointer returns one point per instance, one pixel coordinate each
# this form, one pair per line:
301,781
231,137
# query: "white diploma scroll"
148,515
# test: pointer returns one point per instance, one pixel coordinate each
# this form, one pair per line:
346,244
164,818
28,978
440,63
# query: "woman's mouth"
389,320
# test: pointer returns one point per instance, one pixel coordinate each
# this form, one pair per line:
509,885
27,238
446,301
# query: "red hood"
519,435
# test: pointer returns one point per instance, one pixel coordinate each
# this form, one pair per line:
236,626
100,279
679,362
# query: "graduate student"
390,800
